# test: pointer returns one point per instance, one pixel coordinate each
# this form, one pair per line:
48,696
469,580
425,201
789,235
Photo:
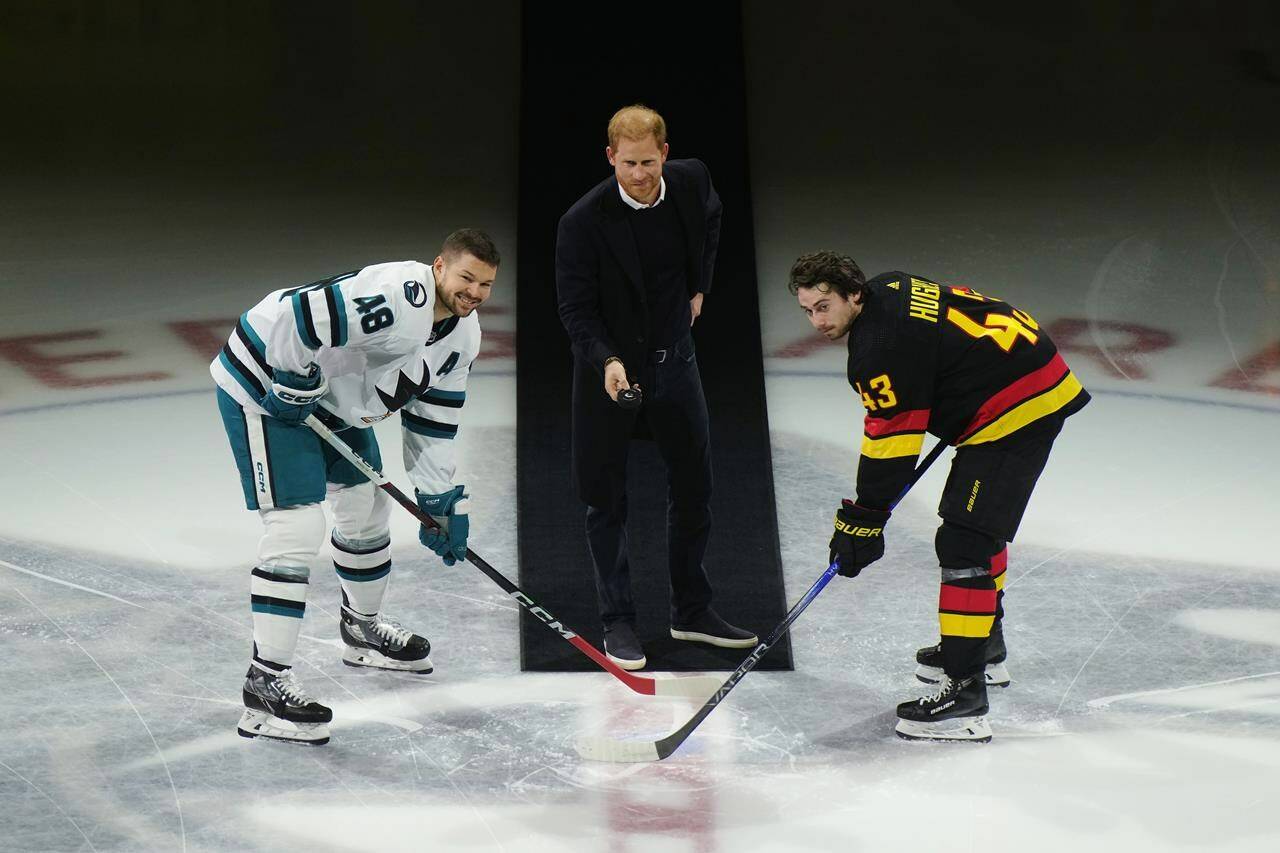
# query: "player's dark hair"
828,271
473,242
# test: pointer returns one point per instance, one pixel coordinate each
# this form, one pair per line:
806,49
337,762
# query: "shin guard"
967,599
278,596
363,569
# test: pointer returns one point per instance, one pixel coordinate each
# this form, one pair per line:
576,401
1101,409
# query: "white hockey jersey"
372,334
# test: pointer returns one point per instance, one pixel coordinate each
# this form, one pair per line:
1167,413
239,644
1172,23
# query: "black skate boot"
379,642
956,712
275,706
929,662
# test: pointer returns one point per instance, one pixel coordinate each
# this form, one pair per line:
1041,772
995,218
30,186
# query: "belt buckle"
659,355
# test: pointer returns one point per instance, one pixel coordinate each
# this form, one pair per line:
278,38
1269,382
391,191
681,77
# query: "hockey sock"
966,611
279,599
999,563
363,567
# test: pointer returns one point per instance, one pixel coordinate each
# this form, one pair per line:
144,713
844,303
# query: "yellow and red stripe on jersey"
900,435
1041,392
966,612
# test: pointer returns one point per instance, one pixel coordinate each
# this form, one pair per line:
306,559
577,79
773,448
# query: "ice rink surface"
1143,595
1143,600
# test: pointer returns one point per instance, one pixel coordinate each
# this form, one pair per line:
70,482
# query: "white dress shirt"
635,205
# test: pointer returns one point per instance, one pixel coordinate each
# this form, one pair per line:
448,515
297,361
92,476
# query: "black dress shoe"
711,629
622,646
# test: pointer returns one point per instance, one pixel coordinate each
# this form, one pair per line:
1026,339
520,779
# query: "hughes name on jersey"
371,331
968,368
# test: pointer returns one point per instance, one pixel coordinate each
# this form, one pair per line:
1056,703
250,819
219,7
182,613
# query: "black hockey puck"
630,398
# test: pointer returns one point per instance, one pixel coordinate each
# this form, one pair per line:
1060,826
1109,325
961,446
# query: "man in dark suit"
634,258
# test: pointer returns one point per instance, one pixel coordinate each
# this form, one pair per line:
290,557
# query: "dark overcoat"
601,293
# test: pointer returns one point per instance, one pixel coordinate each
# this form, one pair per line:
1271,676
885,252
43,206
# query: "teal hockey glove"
293,397
449,509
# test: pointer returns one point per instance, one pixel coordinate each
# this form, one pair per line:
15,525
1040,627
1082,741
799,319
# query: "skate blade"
352,656
260,724
996,674
972,729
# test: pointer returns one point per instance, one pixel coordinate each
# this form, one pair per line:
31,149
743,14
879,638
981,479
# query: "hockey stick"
608,749
696,687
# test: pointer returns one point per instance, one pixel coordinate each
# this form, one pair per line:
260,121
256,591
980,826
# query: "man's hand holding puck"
615,381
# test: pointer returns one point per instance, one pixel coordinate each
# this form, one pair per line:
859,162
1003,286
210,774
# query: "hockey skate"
379,642
929,662
276,707
956,712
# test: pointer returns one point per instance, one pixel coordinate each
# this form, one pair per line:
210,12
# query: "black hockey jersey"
968,368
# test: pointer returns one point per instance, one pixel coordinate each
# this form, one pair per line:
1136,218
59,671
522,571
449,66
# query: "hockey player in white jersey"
353,349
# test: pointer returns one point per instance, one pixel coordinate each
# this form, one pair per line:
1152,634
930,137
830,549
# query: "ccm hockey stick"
697,687
609,749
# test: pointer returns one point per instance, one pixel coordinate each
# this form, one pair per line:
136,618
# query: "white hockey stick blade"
696,687
621,751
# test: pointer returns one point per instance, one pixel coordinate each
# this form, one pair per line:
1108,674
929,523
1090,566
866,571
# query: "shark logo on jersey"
415,293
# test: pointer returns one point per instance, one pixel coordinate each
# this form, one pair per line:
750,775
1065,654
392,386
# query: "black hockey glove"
859,538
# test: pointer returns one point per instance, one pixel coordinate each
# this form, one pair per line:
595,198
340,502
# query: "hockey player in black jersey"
984,377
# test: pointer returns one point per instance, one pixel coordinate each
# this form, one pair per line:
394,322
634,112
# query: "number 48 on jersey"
372,317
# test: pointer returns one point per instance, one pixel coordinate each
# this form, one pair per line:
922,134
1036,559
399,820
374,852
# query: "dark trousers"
675,411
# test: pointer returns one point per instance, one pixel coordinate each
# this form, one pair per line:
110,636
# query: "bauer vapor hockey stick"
696,687
609,749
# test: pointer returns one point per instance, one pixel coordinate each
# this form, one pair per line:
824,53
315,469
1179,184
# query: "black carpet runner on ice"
582,62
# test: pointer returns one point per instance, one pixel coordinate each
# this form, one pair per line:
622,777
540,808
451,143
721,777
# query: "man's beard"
456,308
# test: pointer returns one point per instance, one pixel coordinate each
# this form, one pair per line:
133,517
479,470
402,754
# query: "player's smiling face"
828,311
463,283
637,164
